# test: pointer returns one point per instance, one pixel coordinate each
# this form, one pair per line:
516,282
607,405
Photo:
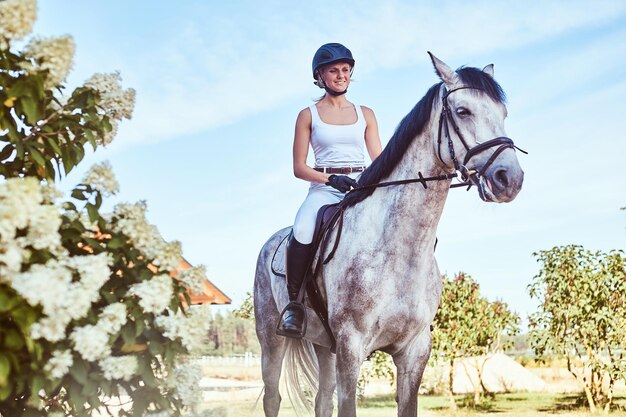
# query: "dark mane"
412,125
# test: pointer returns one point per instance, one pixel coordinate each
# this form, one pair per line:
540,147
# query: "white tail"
301,374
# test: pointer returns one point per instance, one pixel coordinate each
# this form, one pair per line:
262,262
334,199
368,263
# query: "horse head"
471,138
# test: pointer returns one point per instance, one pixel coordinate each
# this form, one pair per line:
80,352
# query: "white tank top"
338,145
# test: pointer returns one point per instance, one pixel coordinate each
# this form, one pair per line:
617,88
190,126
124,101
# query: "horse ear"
447,75
489,70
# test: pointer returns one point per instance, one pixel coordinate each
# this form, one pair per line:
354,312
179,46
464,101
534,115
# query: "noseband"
445,120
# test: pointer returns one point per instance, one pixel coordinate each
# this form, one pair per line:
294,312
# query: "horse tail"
301,374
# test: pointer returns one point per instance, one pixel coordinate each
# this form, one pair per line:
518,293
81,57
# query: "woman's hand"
342,183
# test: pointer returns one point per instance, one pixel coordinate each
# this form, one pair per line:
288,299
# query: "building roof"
211,294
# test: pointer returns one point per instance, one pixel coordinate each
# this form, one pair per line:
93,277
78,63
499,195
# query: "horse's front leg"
327,382
349,358
410,363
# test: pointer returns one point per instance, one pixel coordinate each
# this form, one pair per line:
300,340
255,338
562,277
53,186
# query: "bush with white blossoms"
88,309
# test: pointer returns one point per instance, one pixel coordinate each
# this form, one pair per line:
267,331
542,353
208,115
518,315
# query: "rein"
468,177
445,120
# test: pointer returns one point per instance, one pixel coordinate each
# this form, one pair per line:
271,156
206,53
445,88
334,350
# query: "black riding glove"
342,183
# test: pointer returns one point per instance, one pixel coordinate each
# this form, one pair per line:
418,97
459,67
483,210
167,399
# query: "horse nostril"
501,178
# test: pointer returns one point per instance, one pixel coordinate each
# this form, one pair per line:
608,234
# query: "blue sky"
219,85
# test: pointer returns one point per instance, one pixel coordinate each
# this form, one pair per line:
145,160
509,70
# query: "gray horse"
383,285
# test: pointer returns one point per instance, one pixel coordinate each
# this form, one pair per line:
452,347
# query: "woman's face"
336,76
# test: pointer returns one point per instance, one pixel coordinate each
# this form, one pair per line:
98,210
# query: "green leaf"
128,335
5,369
92,138
13,340
5,391
24,316
7,299
79,371
115,242
53,143
6,152
37,156
78,194
31,109
36,384
93,212
80,153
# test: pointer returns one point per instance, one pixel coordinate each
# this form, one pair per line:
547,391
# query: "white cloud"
219,69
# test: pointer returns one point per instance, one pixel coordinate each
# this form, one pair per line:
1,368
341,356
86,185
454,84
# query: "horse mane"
412,125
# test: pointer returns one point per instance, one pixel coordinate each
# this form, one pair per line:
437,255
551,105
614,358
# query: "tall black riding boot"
298,258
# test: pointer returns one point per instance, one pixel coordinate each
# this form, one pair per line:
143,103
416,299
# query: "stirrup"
290,333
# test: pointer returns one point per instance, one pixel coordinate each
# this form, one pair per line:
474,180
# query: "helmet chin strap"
335,93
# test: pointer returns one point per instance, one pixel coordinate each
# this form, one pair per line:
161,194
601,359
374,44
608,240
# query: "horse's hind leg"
411,363
327,382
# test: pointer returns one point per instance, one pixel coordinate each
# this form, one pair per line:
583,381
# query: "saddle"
328,217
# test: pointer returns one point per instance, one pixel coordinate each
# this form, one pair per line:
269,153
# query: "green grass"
503,405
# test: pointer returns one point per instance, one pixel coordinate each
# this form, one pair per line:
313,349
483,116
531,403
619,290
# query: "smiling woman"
338,131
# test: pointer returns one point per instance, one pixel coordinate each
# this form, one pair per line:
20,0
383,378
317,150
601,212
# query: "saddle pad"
279,258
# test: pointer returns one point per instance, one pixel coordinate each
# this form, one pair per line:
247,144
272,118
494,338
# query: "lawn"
504,405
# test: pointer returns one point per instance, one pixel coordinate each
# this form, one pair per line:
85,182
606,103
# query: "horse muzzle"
500,183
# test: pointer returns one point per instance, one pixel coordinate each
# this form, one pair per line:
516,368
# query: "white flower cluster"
56,55
119,367
59,364
52,286
26,222
190,329
116,102
92,342
101,178
186,380
112,318
16,19
130,219
194,278
154,294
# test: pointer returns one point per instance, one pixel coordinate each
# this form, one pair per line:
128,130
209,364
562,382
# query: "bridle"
445,120
468,177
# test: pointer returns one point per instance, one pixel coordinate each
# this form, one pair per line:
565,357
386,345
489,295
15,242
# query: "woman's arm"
372,138
301,141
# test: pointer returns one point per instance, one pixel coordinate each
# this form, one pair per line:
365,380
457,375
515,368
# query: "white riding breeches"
319,195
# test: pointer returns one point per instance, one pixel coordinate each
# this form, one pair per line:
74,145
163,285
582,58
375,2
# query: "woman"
336,129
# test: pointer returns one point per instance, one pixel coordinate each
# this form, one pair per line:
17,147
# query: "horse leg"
348,363
273,347
327,382
410,363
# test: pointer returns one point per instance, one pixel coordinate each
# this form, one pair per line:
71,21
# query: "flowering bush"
89,315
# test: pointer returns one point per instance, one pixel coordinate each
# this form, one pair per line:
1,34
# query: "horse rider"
338,131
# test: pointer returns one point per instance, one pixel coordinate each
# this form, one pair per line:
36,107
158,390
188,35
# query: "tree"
582,316
467,324
88,310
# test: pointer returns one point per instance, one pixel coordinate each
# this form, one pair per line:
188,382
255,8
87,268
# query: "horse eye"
463,112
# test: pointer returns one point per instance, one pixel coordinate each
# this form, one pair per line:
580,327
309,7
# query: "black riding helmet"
331,53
